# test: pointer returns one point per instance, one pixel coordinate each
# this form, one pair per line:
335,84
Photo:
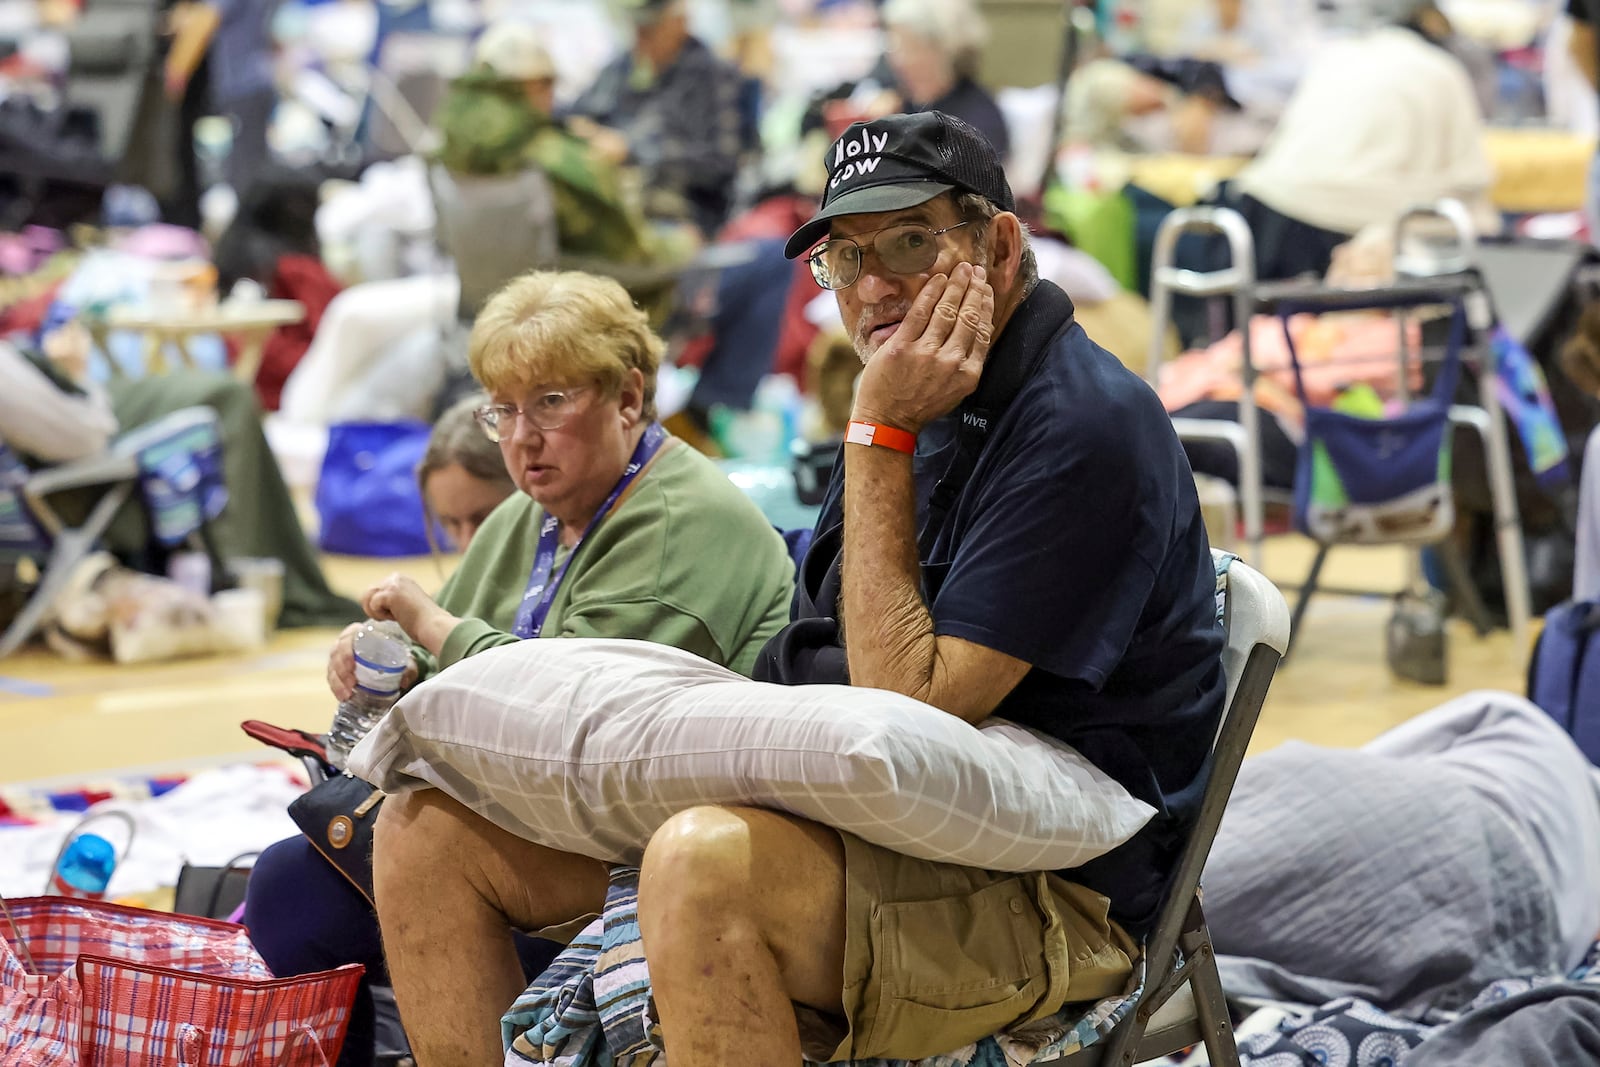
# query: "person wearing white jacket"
1383,121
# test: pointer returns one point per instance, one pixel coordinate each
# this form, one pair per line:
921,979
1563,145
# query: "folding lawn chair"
30,528
1182,1003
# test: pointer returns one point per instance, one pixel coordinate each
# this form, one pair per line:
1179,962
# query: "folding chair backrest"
495,227
1256,618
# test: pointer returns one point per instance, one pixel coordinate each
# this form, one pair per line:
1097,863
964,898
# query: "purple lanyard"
544,581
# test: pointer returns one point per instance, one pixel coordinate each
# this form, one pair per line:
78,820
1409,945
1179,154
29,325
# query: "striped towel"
592,1007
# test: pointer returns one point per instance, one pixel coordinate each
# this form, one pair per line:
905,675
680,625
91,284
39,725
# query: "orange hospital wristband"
875,433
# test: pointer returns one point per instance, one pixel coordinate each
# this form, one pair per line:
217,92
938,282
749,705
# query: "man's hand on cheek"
935,358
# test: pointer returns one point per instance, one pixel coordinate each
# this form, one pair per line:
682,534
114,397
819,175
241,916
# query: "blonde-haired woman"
619,530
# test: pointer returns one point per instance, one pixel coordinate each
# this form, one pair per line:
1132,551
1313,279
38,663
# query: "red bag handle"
192,1045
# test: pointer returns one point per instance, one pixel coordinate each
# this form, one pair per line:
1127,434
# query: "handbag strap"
16,936
235,864
1444,386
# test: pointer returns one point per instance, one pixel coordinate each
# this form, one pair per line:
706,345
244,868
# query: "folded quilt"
592,1007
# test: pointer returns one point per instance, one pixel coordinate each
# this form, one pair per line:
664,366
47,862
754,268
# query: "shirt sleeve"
645,619
1055,565
42,420
469,637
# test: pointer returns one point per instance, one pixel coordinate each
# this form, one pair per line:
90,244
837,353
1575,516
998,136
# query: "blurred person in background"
462,475
1385,118
234,39
934,49
498,118
670,108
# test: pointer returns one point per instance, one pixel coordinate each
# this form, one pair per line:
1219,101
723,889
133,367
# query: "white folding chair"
1182,1003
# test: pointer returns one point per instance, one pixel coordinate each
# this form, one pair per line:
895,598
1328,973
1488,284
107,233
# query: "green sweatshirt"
685,559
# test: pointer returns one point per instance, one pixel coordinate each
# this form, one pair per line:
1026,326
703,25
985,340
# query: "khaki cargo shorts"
938,956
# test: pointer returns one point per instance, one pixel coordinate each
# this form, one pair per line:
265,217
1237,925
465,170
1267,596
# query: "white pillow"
588,746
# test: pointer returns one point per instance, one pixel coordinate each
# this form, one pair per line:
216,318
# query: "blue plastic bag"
367,497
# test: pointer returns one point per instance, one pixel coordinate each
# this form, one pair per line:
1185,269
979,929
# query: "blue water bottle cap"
87,863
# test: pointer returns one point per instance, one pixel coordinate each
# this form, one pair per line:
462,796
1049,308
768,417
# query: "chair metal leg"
1211,1007
1463,592
69,549
1303,601
1121,1047
1507,522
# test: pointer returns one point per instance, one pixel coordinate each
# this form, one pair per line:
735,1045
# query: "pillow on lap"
588,746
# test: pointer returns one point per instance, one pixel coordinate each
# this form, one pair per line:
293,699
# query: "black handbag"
339,810
213,892
337,817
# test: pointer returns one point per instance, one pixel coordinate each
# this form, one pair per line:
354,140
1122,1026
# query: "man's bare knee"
698,854
768,880
418,836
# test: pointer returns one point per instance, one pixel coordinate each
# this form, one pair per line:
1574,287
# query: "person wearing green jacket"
620,530
498,119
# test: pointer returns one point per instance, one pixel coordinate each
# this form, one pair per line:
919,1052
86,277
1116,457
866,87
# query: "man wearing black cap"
1020,536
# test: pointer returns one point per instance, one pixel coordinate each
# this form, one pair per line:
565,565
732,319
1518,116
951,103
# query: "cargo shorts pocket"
956,969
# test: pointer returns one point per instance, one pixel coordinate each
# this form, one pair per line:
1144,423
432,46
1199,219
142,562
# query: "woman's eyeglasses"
550,411
908,249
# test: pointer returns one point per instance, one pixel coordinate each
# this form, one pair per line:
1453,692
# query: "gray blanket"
1458,850
1551,1026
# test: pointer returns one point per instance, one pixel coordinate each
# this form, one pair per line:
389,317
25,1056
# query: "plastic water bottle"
381,655
84,868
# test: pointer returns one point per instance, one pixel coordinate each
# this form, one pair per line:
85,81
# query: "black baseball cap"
901,161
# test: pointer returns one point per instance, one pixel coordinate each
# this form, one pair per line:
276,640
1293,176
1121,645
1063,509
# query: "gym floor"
69,724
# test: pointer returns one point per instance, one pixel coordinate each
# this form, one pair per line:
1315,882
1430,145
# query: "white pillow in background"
588,746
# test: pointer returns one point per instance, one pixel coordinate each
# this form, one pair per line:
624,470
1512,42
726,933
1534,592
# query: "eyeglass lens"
548,412
902,250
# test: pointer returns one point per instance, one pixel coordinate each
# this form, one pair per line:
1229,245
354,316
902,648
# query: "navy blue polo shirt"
1077,546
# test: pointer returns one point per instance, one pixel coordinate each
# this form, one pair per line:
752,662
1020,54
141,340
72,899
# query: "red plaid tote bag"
88,984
